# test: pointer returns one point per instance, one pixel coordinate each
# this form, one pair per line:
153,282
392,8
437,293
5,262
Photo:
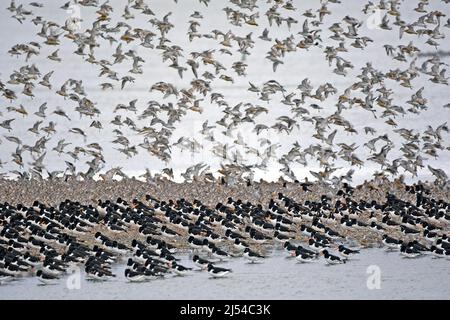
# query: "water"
297,66
277,277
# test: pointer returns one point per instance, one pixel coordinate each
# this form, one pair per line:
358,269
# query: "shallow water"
277,277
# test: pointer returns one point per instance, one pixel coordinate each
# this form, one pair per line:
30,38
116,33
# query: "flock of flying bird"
47,242
373,91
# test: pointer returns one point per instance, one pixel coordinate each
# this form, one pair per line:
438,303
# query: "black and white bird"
304,257
179,269
409,252
135,276
169,232
220,254
200,262
440,253
346,252
240,245
316,245
391,243
252,256
196,243
332,259
45,278
217,272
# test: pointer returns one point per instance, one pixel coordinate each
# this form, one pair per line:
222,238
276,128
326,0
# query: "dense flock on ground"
148,235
